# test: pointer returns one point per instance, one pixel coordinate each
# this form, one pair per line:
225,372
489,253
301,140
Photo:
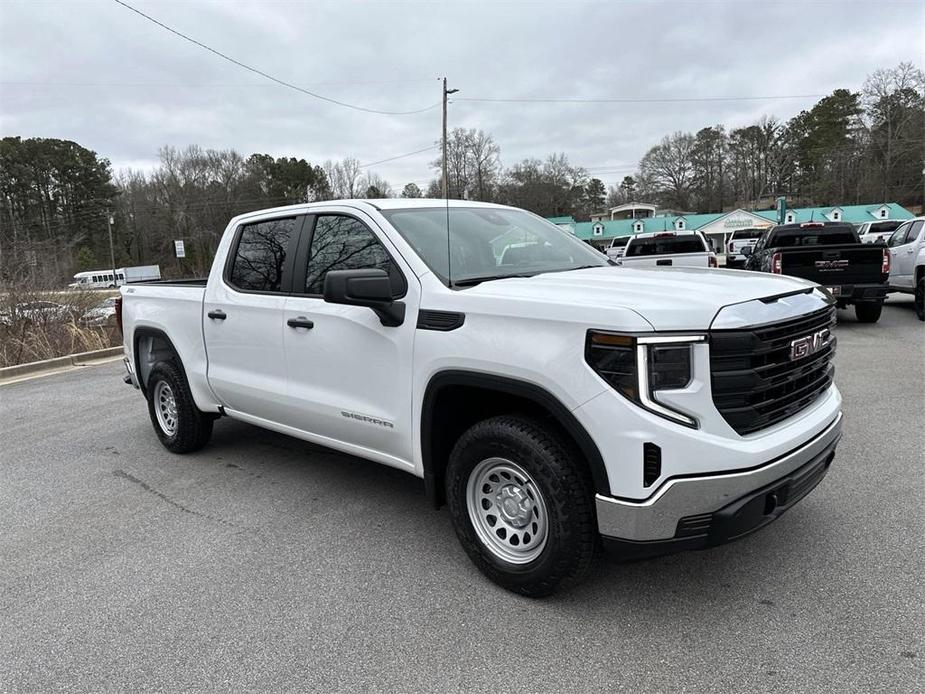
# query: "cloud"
106,78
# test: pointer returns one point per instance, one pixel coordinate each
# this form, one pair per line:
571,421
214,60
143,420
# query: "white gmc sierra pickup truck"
555,402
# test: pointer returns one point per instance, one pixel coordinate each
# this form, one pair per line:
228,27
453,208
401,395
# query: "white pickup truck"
554,402
685,248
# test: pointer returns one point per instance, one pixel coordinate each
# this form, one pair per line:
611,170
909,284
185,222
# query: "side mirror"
370,288
747,250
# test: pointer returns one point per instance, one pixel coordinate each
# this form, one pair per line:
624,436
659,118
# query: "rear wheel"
179,424
920,298
868,313
522,504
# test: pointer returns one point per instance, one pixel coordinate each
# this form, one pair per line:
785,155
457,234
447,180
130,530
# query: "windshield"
619,242
489,243
665,245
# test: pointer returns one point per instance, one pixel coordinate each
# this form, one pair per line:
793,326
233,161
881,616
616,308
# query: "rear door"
896,243
243,318
350,376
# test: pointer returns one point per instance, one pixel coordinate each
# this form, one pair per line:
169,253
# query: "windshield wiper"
472,281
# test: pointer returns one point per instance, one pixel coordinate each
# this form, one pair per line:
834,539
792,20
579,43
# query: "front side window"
898,237
260,255
345,243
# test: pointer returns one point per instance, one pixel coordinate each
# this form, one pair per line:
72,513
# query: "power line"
200,85
400,156
269,76
631,100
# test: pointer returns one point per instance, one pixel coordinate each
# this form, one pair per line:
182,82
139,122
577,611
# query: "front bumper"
706,510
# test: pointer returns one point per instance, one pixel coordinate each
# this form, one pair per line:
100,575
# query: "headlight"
639,367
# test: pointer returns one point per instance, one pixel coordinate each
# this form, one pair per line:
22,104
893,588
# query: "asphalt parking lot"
265,563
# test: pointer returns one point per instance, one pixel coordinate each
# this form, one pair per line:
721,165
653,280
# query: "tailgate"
835,265
672,260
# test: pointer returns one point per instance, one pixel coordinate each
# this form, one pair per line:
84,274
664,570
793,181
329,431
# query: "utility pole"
446,93
112,252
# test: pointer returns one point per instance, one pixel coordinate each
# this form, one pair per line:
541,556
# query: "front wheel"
179,424
868,313
522,504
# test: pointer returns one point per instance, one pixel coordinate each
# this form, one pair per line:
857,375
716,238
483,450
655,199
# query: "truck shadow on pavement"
388,519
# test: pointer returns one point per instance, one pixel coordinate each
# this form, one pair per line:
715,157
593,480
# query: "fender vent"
440,320
651,463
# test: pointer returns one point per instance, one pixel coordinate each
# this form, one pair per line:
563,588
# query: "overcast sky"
95,72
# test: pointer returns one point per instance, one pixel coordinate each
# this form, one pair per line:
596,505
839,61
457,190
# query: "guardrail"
8,373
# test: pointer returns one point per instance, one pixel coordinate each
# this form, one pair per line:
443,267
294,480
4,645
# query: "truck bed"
172,309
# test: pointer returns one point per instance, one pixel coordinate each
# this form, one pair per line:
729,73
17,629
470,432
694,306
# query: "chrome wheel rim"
507,510
165,407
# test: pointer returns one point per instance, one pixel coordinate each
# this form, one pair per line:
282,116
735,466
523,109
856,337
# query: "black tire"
192,428
868,313
572,543
920,298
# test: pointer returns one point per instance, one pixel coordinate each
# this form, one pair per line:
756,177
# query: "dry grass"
26,338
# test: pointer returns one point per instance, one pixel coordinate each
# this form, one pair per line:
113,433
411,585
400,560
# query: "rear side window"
913,234
747,234
813,236
882,227
345,243
261,254
664,245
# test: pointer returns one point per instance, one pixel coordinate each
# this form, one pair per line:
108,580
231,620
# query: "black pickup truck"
831,254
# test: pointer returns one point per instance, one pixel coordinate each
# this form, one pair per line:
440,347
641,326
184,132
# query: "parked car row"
49,311
853,263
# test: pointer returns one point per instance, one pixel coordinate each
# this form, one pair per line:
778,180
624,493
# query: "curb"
11,372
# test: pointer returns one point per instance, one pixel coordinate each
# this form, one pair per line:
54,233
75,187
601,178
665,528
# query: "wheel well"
455,401
919,273
153,346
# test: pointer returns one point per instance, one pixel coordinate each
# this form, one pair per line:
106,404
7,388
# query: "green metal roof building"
718,226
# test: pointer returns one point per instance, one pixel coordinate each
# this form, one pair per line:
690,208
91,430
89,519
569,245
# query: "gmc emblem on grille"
828,265
805,346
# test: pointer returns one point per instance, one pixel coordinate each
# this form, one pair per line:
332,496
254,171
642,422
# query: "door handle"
300,322
218,314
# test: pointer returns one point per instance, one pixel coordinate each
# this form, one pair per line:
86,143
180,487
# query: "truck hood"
667,298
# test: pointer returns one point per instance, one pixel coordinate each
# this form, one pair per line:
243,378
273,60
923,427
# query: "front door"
243,318
350,376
